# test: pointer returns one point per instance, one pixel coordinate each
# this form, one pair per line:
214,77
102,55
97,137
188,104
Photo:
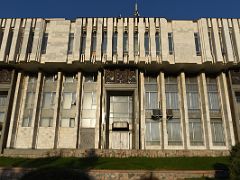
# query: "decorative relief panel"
5,76
235,75
118,76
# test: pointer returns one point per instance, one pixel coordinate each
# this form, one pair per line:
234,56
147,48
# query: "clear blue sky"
171,9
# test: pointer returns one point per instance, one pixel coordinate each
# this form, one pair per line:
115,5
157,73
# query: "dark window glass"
115,36
237,95
44,43
83,42
94,41
135,43
146,43
1,36
70,43
170,43
158,43
30,41
197,44
125,42
9,41
104,42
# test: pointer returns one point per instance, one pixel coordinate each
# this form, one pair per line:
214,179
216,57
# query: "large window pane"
48,99
46,122
67,100
195,132
2,117
174,132
218,136
152,133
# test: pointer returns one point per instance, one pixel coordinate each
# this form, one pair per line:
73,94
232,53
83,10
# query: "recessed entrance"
119,122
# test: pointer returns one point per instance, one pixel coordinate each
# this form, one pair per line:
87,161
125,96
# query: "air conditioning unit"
169,113
156,114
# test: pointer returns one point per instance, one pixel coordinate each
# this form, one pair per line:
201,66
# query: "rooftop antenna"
136,13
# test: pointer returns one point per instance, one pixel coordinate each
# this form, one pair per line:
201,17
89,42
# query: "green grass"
168,163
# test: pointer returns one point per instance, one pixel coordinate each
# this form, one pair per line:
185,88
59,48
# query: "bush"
235,162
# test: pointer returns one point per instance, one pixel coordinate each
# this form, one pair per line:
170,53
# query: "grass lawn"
167,163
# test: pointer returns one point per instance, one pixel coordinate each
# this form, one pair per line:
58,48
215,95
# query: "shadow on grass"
221,171
54,168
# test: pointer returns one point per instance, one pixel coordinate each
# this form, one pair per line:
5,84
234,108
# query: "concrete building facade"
119,83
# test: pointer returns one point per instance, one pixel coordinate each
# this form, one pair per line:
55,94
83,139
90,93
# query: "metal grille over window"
195,132
29,101
192,94
170,43
171,90
70,43
213,96
146,43
197,44
174,132
218,136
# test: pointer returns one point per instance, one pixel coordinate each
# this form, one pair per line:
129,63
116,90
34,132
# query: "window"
68,122
29,100
2,114
1,36
158,44
69,79
174,131
171,90
69,100
9,41
89,100
218,136
3,98
125,42
146,43
50,78
30,41
170,43
26,122
237,95
210,40
213,94
221,38
115,36
90,78
94,42
195,132
151,93
48,100
46,122
233,42
192,93
70,43
152,132
44,43
104,42
197,44
20,41
83,42
135,43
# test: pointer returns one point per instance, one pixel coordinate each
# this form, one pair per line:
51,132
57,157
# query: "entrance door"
120,120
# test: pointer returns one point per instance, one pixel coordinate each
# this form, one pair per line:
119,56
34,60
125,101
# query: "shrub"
235,162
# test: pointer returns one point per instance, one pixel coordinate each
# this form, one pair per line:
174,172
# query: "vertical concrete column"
56,121
36,107
22,106
142,110
202,110
99,39
205,45
5,39
98,112
130,40
79,106
159,106
109,38
164,39
237,36
15,40
152,32
216,41
226,112
141,33
227,41
185,122
205,111
23,54
77,39
14,116
164,109
120,40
